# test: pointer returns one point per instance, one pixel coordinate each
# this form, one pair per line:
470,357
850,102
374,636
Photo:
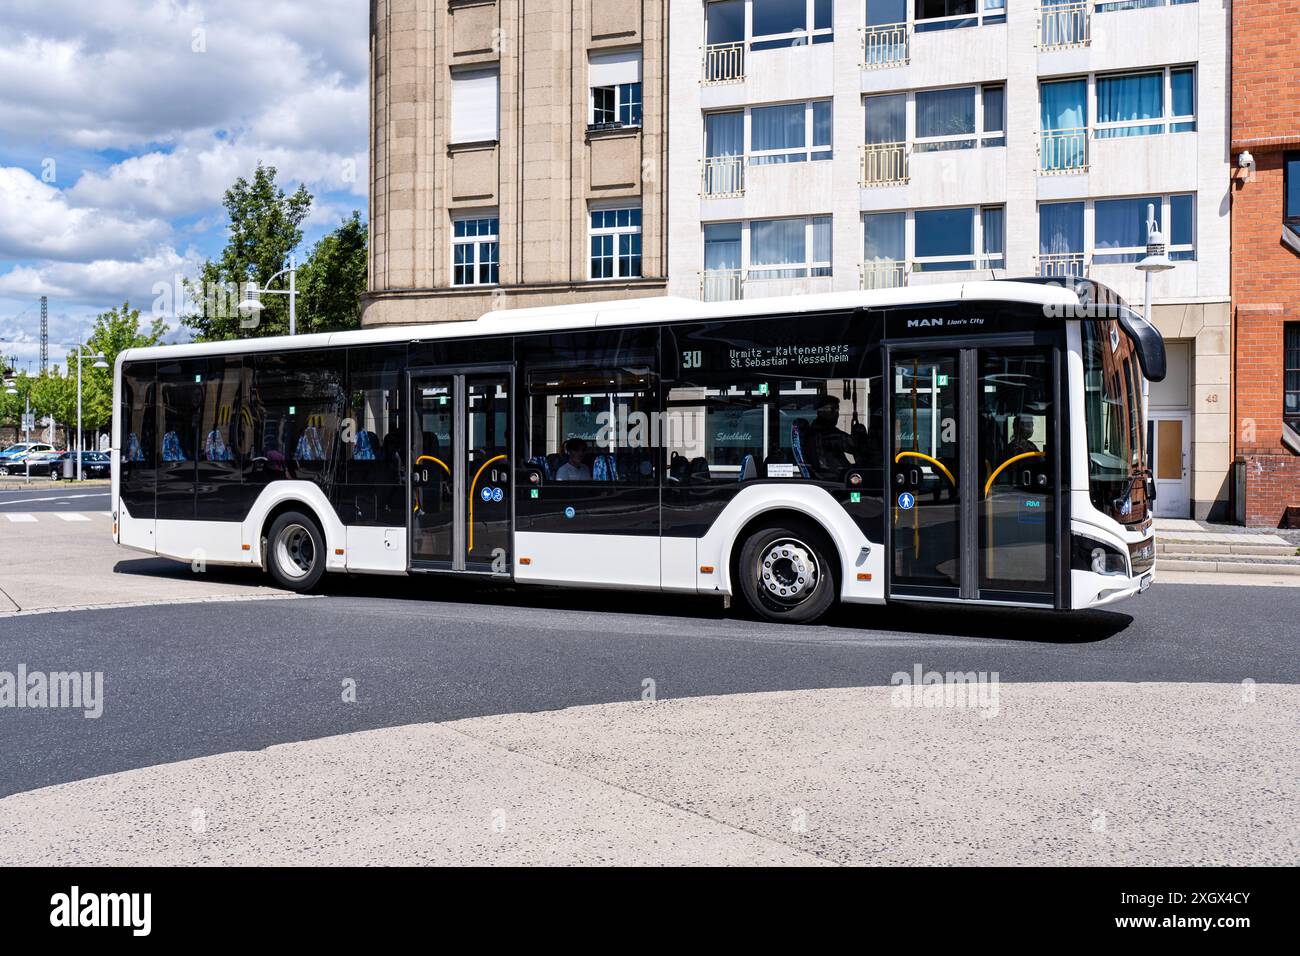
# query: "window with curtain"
1126,105
1063,104
1120,228
886,118
993,237
1060,229
474,106
1181,234
724,134
1182,91
790,248
1106,6
721,246
790,133
945,119
884,235
994,127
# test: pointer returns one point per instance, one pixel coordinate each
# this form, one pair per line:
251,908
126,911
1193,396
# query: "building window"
1146,104
474,251
1106,6
791,133
790,248
1118,232
616,243
782,23
1291,189
615,80
1063,141
948,14
474,106
948,119
952,240
1291,374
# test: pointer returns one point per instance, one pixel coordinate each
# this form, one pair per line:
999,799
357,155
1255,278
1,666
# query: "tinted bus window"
138,441
295,405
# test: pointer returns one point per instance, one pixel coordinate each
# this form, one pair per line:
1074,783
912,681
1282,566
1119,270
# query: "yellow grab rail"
1010,461
470,545
934,461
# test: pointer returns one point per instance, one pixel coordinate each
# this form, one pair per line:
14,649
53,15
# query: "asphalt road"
189,680
46,495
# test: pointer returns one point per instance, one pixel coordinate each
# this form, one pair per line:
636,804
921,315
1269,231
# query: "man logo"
923,323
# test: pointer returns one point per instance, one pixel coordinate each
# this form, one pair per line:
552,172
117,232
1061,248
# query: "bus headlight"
1089,554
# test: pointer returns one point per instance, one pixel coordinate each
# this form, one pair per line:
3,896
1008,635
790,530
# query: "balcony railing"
884,164
722,177
1062,265
885,46
884,274
722,285
1064,25
724,62
1063,151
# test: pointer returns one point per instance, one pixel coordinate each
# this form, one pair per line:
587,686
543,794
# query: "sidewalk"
1062,774
1200,552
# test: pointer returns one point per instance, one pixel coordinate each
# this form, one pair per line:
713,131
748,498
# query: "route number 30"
692,359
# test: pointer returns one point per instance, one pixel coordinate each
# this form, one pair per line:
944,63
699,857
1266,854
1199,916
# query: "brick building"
1266,259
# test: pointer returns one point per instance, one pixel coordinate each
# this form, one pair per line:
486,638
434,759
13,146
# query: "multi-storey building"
563,150
840,144
516,154
1266,259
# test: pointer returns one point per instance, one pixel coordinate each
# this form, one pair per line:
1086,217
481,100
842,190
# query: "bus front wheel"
788,573
295,551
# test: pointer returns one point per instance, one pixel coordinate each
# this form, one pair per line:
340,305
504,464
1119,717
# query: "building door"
974,473
459,487
1170,455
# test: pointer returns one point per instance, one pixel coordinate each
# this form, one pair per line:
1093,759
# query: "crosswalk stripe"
19,518
71,516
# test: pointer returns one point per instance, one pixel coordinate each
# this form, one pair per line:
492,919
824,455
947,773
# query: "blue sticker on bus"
569,512
497,494
905,501
486,493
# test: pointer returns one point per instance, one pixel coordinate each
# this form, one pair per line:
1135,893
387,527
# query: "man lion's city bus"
982,443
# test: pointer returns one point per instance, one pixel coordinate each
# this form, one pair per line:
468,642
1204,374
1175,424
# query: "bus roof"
616,312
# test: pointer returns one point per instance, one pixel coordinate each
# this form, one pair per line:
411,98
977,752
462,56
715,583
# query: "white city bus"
981,442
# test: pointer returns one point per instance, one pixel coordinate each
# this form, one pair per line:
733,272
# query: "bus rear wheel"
788,573
295,551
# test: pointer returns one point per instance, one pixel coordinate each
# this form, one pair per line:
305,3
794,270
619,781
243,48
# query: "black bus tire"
788,573
295,551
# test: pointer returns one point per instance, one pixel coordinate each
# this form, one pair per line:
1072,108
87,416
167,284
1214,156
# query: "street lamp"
98,363
252,304
1156,260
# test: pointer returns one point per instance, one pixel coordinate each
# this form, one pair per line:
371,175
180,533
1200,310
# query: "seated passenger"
828,447
1022,431
574,469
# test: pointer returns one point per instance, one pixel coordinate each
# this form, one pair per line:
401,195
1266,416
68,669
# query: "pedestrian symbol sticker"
905,501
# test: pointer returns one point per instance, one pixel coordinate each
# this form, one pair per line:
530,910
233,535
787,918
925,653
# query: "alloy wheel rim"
788,572
295,551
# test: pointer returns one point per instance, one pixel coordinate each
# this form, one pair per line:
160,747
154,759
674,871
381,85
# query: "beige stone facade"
540,177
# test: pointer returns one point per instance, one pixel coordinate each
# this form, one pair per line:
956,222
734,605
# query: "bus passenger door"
459,510
974,473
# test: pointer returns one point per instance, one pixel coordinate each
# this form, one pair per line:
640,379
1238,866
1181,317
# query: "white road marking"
17,518
70,516
4,502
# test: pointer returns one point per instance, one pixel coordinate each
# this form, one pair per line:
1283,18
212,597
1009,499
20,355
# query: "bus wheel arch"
293,545
811,545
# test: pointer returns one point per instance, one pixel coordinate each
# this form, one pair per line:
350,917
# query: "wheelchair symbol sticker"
486,493
497,494
905,501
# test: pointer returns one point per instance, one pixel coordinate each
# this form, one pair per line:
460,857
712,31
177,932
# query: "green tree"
55,394
331,281
13,406
116,330
265,227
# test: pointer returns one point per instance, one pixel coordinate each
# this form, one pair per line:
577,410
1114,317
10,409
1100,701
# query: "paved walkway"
1061,774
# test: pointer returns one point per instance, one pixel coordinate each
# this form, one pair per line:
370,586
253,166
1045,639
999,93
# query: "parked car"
35,463
11,458
94,464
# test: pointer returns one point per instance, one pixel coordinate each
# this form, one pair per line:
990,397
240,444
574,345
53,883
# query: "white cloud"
103,282
39,223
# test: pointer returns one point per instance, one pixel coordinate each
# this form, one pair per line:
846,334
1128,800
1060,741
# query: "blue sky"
122,123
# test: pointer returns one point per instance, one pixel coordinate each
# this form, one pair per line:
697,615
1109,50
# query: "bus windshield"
1113,416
